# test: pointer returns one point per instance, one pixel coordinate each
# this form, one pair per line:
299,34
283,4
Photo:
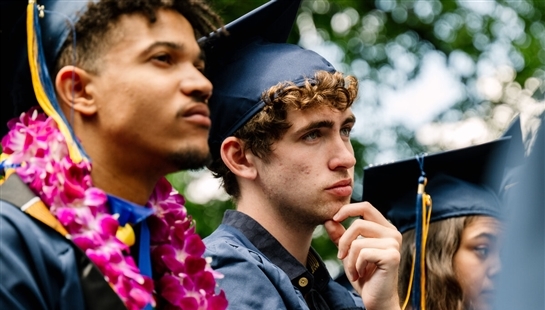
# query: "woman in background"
450,251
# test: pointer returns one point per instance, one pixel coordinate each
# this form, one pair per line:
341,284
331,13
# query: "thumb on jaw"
334,230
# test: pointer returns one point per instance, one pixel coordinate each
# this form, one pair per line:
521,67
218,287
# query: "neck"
293,237
132,180
120,171
127,185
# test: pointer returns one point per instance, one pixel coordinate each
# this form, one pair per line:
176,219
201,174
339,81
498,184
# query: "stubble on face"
189,159
296,177
298,209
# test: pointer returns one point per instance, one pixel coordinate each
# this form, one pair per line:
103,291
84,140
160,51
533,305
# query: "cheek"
305,170
470,271
462,264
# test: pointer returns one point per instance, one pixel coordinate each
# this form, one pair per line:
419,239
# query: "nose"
195,85
495,266
342,155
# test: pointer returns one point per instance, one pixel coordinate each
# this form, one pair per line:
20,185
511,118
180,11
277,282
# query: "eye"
345,131
200,68
482,251
163,58
311,136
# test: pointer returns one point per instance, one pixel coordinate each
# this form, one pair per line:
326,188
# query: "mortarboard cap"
513,165
250,60
516,153
460,182
51,31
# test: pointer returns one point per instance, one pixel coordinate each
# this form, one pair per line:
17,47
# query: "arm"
369,249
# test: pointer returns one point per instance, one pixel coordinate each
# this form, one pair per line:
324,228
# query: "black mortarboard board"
461,182
272,21
513,164
516,153
250,60
51,31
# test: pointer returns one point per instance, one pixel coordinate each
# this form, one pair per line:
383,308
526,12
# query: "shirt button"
303,282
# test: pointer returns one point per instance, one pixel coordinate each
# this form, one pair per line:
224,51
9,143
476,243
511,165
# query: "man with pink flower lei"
280,141
87,219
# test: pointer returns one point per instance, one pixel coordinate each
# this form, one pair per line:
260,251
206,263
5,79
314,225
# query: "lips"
341,188
198,114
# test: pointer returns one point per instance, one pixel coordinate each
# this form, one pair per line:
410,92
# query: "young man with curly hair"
122,84
280,141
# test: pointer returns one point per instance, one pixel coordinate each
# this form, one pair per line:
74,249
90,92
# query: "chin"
332,210
188,159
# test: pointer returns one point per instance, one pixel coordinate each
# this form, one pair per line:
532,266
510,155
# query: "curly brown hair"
328,89
93,29
443,291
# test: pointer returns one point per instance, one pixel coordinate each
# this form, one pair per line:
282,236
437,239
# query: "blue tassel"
417,285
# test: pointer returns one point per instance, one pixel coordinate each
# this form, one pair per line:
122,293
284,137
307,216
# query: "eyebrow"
325,124
173,46
490,236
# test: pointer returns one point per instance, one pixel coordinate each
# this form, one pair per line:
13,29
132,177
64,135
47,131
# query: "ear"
71,85
238,160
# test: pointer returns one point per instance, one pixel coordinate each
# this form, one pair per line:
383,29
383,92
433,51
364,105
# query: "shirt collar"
315,275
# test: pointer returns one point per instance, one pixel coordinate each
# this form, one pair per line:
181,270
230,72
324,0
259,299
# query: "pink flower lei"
183,278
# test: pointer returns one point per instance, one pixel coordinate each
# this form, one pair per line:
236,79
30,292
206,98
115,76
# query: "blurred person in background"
451,237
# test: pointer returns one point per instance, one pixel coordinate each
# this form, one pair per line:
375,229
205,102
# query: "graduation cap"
516,153
27,68
392,188
461,182
250,60
513,164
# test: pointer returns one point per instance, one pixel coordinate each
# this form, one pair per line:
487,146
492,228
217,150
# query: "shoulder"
229,248
38,261
18,229
250,280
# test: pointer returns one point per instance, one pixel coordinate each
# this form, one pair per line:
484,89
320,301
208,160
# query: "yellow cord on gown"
426,211
408,296
41,96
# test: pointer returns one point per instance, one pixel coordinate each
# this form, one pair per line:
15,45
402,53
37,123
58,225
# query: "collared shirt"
313,280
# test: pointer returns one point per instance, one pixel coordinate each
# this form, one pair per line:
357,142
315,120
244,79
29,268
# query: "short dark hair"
93,27
328,89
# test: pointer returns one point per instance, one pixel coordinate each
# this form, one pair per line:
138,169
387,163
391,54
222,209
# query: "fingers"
370,255
334,230
366,229
374,225
362,209
369,249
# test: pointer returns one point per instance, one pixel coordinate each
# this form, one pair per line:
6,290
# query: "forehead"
483,224
169,26
301,117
